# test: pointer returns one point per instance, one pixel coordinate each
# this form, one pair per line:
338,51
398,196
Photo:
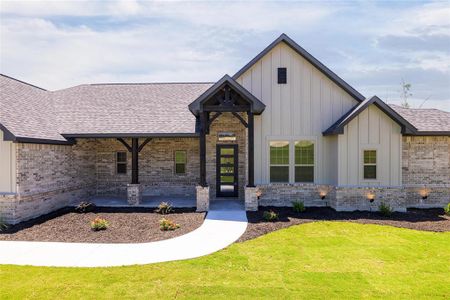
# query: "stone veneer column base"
202,198
251,199
134,194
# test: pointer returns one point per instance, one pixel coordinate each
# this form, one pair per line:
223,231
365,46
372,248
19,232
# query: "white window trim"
292,140
278,165
377,165
304,165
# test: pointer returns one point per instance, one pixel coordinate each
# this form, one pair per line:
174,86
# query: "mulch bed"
126,225
418,219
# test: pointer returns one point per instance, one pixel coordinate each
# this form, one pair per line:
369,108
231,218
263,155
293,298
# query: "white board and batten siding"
7,166
301,110
370,130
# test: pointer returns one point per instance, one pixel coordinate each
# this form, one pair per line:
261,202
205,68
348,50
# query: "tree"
405,94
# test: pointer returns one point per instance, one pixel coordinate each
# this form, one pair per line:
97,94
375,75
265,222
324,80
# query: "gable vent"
282,75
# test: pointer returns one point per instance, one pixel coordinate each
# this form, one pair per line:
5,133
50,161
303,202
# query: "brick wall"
426,160
156,167
49,177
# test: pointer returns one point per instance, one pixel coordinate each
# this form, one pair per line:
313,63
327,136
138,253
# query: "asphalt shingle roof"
160,108
27,111
425,119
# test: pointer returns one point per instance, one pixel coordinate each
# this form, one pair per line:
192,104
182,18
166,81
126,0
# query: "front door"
227,170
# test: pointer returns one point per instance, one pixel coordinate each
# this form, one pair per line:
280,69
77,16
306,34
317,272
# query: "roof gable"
338,126
256,106
311,59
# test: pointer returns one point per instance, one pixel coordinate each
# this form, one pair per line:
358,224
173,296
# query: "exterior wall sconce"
322,194
371,197
424,193
258,194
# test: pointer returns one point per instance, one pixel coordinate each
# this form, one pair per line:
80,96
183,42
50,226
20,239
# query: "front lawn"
314,260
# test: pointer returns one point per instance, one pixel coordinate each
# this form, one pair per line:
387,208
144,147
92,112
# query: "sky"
373,46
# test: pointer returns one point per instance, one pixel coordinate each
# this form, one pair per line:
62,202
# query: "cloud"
372,45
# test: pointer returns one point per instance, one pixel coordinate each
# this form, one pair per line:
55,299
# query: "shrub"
447,209
164,208
84,207
3,224
99,224
385,210
298,206
270,215
166,224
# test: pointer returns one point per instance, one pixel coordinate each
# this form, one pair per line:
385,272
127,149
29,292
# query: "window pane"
121,157
227,151
180,156
304,174
279,153
370,156
180,168
279,174
304,153
370,172
121,168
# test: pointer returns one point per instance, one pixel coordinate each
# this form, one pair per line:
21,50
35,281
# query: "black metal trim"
306,55
128,135
22,82
338,126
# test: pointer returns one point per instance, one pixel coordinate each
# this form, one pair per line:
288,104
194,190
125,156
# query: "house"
283,128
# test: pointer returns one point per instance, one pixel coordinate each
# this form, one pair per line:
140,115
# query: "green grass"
317,260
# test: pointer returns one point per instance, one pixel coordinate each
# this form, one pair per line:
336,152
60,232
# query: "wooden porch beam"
125,144
147,140
134,160
251,150
241,119
203,128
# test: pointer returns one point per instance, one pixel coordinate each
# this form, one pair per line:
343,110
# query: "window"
304,161
370,164
279,161
121,162
282,75
180,162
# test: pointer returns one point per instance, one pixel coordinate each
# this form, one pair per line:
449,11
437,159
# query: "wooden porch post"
251,149
203,129
135,160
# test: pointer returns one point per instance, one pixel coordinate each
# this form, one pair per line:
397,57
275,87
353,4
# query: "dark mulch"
418,219
126,225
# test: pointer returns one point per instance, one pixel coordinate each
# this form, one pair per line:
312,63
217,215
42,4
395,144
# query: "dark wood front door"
227,170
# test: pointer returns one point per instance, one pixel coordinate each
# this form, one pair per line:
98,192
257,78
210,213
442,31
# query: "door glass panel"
227,179
226,170
227,188
226,151
227,160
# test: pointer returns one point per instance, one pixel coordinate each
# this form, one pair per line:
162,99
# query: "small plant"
447,209
166,225
99,224
298,206
84,207
270,215
3,224
385,210
164,208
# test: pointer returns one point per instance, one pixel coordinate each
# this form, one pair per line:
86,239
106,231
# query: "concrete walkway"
220,229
